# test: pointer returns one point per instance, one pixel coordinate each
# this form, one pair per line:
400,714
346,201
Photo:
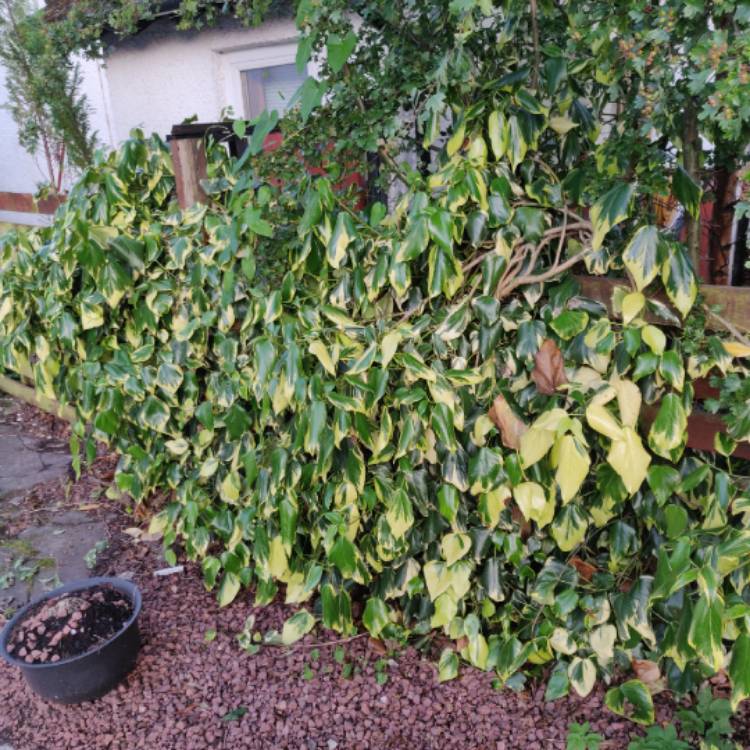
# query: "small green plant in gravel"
235,714
659,738
381,671
580,737
708,721
249,639
91,557
705,725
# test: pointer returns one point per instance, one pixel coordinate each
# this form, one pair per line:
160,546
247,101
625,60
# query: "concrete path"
52,548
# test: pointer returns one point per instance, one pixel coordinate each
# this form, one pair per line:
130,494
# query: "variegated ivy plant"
414,408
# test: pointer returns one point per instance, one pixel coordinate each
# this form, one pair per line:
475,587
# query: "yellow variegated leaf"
446,608
456,140
318,349
535,443
654,338
296,627
454,546
388,346
629,459
629,401
733,348
582,675
491,505
569,528
534,503
572,467
482,426
632,304
600,419
278,565
229,491
602,642
561,641
562,125
436,577
295,589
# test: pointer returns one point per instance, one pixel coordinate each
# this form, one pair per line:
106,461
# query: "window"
269,88
262,76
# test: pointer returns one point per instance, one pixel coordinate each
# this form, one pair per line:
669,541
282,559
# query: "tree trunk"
691,149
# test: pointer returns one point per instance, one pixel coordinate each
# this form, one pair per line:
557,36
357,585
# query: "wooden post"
190,167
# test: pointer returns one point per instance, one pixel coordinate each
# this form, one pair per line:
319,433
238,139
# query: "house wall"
153,80
21,173
162,76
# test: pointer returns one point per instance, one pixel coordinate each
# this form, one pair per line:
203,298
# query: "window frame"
235,62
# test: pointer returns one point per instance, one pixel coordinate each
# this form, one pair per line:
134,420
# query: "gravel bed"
190,694
183,688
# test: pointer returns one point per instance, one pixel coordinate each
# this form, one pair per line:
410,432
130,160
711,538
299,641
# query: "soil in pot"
70,625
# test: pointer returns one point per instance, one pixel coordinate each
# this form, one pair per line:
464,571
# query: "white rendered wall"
22,173
19,172
162,76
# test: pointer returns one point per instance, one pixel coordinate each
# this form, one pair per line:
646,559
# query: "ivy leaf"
582,675
687,191
510,425
534,503
705,632
549,371
309,95
641,256
679,279
632,700
739,670
612,208
497,129
569,528
230,587
343,234
339,48
573,464
448,665
668,434
296,627
264,124
375,616
570,323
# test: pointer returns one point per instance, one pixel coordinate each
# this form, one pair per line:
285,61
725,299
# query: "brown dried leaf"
649,674
585,569
505,419
377,646
549,371
518,517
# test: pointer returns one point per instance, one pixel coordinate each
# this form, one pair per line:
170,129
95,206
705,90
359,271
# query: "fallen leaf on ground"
549,370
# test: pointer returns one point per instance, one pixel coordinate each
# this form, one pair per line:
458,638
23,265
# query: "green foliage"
413,406
703,725
580,737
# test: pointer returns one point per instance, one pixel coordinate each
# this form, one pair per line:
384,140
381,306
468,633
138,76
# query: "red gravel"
182,689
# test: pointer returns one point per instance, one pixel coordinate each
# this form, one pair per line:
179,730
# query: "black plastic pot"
88,676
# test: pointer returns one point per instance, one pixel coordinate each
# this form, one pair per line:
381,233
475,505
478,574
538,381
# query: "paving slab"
52,549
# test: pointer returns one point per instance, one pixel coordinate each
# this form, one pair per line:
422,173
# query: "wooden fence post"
189,161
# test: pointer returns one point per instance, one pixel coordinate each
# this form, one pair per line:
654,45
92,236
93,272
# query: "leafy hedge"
417,409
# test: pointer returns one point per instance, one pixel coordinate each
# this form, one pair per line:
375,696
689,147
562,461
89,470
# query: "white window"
263,77
270,88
